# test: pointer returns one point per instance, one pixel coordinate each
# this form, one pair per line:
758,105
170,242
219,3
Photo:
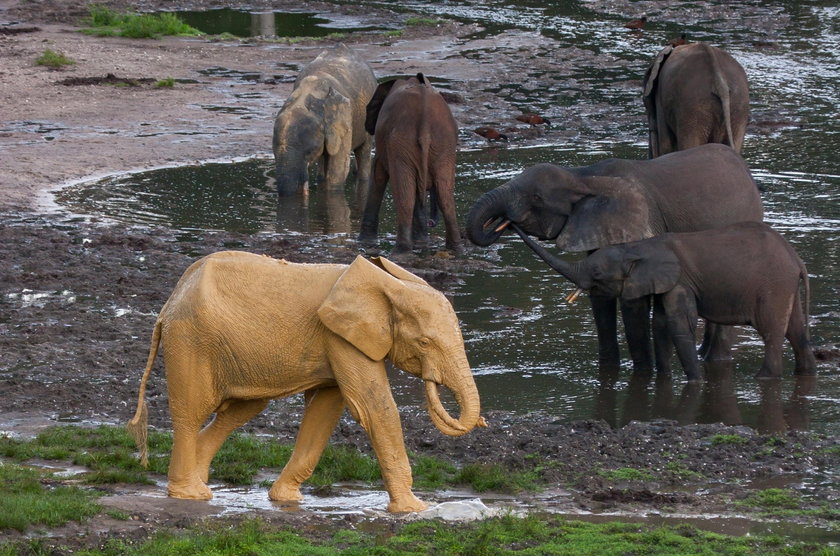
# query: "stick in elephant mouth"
574,295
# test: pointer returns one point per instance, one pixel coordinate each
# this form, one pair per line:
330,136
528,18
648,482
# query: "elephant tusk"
502,226
574,295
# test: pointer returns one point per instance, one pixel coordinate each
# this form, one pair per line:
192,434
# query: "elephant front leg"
662,345
323,407
636,316
605,313
717,342
681,312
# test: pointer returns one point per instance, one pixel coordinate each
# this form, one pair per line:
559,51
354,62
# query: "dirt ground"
78,297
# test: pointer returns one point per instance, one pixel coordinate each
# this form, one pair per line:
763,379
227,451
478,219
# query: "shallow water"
520,335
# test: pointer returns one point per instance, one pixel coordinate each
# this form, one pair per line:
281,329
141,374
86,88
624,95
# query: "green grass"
26,501
167,82
53,59
505,535
720,439
393,33
104,22
419,20
773,498
626,474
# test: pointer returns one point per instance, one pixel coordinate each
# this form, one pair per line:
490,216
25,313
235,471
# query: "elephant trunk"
485,221
292,173
571,271
466,394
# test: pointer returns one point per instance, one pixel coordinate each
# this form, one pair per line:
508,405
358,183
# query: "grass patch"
772,499
626,474
167,82
720,439
105,22
393,33
26,501
415,21
680,471
504,535
54,60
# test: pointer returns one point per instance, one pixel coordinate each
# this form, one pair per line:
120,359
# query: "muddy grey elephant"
746,273
241,329
616,201
695,94
416,140
323,121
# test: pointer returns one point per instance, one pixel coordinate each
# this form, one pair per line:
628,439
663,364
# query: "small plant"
336,36
393,33
626,474
167,82
772,499
53,59
105,22
736,439
681,471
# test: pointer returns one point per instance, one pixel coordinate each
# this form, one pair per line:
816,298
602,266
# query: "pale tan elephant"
240,329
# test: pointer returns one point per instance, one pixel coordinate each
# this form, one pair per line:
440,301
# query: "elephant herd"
679,235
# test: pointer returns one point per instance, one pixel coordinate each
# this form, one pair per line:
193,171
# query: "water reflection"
647,396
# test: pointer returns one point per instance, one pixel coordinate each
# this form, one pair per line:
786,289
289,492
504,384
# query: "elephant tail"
424,140
803,275
138,426
721,89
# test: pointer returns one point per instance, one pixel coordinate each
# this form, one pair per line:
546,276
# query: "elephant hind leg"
235,414
717,342
444,186
323,407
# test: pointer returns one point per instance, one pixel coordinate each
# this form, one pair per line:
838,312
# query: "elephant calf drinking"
746,273
241,329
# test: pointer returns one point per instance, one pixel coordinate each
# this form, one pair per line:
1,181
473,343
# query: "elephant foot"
407,503
192,490
281,492
368,239
767,372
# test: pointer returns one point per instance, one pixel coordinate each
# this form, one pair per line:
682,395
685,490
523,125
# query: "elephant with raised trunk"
746,273
241,329
616,201
323,121
416,141
695,94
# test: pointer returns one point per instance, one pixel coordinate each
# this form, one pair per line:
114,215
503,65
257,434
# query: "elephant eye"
424,342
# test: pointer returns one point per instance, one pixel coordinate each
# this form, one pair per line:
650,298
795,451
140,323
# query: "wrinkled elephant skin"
241,329
323,121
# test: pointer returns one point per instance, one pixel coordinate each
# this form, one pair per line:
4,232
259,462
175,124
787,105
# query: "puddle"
272,24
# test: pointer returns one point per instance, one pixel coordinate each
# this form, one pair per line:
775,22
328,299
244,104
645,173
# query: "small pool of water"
270,24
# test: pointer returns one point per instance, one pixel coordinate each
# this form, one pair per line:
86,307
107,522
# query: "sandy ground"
97,287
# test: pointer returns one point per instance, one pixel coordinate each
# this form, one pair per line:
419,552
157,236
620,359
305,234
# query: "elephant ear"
617,213
650,268
649,99
338,124
375,105
397,271
358,310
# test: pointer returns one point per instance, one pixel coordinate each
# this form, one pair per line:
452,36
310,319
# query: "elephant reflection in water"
714,401
330,213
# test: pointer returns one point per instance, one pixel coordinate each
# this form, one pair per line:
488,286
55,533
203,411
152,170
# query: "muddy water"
529,349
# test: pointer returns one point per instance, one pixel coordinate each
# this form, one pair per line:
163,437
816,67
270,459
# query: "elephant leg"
605,314
443,188
662,345
717,342
362,154
797,335
323,407
373,202
403,189
420,222
230,417
636,316
681,312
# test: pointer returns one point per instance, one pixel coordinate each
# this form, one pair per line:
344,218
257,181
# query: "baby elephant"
746,273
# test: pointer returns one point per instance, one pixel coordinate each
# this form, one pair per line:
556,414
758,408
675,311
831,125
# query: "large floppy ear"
650,268
614,212
649,98
338,120
358,310
397,271
375,104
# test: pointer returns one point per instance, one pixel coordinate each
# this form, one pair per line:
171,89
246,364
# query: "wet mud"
79,297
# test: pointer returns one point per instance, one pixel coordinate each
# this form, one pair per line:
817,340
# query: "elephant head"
385,311
549,202
628,271
315,122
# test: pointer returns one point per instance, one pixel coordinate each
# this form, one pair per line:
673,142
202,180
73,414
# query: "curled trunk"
485,217
466,394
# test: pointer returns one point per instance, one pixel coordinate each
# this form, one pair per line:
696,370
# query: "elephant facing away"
695,94
617,201
323,120
416,141
241,329
746,273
